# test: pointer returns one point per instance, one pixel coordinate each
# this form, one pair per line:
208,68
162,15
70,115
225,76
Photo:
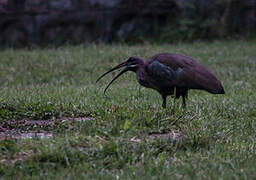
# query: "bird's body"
166,72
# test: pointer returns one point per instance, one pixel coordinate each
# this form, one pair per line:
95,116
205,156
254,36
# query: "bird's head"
131,64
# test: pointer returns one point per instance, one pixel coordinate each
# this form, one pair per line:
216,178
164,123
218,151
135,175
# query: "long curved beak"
114,68
122,72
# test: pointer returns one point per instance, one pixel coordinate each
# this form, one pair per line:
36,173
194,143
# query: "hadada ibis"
166,72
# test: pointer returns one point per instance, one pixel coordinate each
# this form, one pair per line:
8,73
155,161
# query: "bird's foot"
164,105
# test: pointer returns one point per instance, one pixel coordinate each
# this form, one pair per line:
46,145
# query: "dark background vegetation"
56,123
57,22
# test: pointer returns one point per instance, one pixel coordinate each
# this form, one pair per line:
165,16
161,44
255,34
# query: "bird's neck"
142,76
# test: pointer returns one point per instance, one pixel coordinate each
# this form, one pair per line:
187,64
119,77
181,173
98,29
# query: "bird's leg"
164,101
184,102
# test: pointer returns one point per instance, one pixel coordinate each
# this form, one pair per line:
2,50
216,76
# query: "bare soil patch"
173,136
12,129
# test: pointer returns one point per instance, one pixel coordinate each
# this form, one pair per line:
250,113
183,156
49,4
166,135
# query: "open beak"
114,68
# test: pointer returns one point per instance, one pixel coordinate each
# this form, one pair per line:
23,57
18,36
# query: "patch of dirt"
22,135
17,157
79,119
10,130
29,122
173,136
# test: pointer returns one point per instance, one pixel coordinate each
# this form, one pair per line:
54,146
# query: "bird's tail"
219,90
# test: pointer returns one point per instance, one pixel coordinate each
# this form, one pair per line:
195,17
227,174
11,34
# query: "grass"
55,83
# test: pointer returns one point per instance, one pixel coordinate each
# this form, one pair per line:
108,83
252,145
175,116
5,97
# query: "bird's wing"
160,71
174,61
193,76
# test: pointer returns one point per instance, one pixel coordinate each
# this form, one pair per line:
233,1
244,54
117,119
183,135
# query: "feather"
160,71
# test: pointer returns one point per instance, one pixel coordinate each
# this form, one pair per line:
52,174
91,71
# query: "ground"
55,121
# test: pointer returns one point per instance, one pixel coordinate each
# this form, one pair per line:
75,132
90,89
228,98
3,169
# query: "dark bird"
166,72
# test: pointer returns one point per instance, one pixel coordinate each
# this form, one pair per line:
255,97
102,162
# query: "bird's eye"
132,62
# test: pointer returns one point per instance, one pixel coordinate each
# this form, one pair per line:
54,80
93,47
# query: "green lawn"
53,85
